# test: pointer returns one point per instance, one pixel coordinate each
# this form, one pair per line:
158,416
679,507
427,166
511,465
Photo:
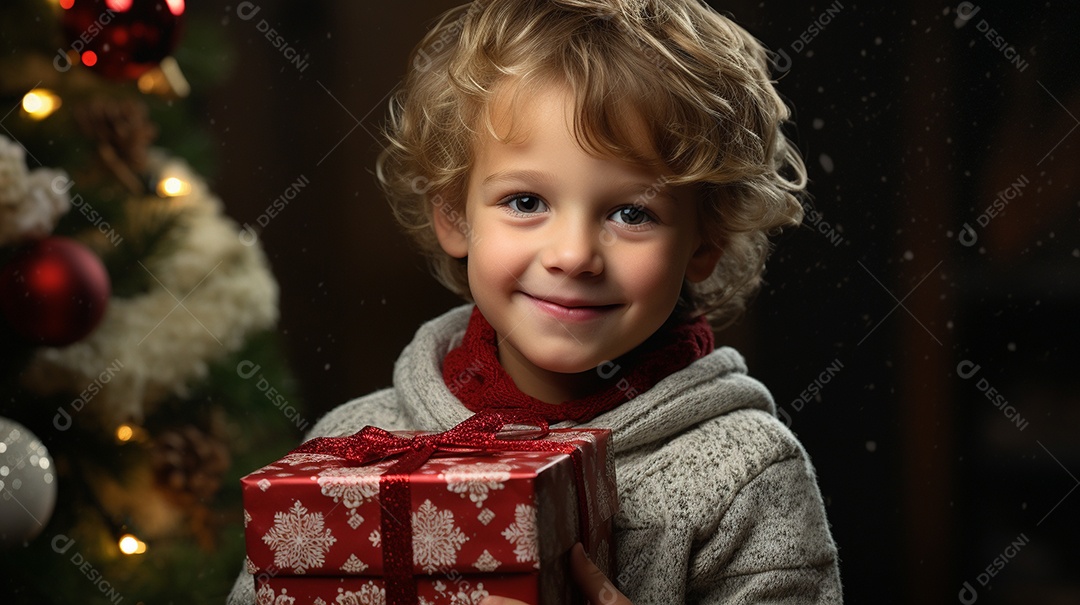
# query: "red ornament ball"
54,291
121,39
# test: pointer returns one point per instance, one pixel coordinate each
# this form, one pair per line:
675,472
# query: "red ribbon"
479,433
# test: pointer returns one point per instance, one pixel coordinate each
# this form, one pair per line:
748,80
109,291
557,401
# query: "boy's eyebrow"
527,174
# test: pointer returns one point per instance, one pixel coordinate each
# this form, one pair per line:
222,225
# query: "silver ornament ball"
27,484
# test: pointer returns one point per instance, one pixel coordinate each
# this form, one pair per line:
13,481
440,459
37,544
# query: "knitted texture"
718,500
473,374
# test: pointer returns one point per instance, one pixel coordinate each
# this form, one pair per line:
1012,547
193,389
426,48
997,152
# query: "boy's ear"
703,262
450,227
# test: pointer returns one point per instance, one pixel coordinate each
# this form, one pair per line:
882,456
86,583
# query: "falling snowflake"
487,563
435,538
522,533
298,539
476,479
266,596
351,486
369,594
485,516
353,565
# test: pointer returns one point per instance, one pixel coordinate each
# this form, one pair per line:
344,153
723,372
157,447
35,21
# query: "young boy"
599,177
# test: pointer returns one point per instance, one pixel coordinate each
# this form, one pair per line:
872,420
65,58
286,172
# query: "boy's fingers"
494,600
596,586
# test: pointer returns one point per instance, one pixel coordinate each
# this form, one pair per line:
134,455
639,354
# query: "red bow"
479,433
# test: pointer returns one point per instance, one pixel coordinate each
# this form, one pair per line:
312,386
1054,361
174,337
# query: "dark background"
911,122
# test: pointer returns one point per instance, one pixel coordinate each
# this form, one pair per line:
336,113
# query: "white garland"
208,294
29,206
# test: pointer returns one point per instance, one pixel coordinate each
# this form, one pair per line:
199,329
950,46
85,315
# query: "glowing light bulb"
124,432
40,103
173,187
130,545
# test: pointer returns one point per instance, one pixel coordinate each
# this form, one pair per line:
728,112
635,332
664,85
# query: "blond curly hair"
700,81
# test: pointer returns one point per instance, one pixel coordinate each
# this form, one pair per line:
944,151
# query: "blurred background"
918,332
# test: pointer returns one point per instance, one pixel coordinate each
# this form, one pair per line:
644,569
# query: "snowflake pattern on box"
369,594
266,596
249,565
485,516
436,540
301,459
264,484
476,479
375,538
352,486
247,518
486,562
522,533
298,539
470,598
353,565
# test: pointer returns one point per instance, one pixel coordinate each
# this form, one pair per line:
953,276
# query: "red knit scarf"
472,371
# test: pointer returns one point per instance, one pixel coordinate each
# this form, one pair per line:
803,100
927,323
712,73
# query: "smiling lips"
571,310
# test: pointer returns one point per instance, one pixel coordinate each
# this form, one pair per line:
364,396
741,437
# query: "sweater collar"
709,387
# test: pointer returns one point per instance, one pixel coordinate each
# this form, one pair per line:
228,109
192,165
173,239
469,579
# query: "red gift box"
483,520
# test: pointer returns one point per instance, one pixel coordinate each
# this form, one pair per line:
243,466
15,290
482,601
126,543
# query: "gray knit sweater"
718,500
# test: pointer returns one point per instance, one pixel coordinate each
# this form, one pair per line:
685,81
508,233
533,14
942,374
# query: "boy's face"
574,259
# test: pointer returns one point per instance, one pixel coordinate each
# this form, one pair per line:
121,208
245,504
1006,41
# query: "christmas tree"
139,373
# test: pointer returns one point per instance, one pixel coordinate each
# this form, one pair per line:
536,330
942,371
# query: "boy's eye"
526,204
631,215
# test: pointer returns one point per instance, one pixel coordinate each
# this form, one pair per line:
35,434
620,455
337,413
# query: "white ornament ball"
27,484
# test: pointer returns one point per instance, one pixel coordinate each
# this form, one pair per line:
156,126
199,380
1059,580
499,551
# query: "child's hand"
597,588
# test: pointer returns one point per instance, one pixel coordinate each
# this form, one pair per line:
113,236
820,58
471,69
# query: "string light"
40,103
124,433
172,186
130,545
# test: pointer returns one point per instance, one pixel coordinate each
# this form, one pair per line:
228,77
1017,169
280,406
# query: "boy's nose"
573,250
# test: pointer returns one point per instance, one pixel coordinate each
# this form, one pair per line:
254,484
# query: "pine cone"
123,132
189,462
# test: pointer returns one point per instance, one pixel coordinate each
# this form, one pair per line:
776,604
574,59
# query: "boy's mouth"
570,309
